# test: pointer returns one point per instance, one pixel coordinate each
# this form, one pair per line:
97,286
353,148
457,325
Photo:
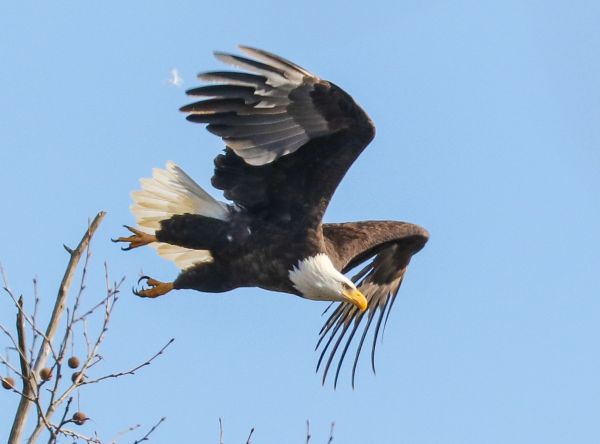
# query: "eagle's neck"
316,278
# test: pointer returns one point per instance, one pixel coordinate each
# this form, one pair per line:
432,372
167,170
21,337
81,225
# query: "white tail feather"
169,192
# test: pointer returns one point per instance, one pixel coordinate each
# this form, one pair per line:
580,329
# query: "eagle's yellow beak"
357,298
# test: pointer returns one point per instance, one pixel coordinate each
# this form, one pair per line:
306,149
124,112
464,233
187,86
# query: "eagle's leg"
156,288
138,239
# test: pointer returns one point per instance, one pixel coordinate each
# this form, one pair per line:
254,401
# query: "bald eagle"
289,139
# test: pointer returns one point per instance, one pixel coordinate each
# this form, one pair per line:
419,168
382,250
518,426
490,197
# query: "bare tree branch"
11,337
26,377
91,359
36,302
45,348
22,342
63,421
72,434
147,435
123,432
44,373
30,321
133,370
250,435
64,289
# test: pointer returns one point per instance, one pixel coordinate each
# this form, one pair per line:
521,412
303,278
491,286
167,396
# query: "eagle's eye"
345,286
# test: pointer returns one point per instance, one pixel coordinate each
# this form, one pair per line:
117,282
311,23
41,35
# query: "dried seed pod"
8,383
77,377
46,374
79,418
73,362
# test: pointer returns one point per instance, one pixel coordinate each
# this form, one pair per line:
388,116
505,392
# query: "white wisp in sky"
175,78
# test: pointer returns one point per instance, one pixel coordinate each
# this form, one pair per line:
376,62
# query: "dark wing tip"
422,232
218,54
261,53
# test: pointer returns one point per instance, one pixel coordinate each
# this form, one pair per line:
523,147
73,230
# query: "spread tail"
169,192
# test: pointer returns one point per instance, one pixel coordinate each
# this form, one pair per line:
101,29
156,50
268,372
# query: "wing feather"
274,75
264,140
384,250
224,92
251,130
288,67
236,78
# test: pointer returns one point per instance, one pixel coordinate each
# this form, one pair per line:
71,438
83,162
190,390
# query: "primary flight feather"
289,139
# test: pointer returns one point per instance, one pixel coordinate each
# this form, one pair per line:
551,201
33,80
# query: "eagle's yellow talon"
138,239
156,289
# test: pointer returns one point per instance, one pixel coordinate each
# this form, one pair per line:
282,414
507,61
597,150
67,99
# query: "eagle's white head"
317,279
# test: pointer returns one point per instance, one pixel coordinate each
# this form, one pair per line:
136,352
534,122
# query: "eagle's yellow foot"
156,288
138,239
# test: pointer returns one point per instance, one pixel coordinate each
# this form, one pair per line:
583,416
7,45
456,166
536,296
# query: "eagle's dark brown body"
244,258
241,255
290,138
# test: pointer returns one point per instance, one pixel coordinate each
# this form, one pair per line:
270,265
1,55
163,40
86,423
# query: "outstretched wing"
385,250
290,136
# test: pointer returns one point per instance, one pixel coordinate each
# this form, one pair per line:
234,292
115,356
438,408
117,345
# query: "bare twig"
22,342
250,435
221,431
147,435
26,317
63,421
11,337
307,431
331,433
92,310
72,434
3,275
86,336
84,271
36,302
26,377
124,432
8,365
133,370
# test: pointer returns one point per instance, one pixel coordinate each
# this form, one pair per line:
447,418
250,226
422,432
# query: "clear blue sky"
488,135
